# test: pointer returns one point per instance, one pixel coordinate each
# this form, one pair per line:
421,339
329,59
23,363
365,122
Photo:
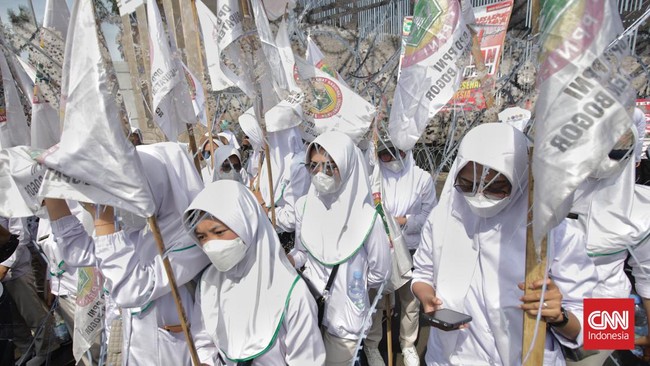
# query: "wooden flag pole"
389,329
153,224
258,104
535,269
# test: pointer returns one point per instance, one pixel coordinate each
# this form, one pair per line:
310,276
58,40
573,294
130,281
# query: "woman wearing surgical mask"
251,305
228,160
408,194
614,215
340,241
472,259
207,146
129,259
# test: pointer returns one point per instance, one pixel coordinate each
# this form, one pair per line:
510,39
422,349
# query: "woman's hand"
401,220
427,296
260,200
552,306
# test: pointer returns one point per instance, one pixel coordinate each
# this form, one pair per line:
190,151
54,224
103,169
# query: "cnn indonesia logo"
609,324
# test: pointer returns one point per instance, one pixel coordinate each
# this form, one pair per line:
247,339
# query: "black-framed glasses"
389,154
495,190
227,166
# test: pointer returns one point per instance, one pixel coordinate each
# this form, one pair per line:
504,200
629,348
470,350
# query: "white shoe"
411,357
374,357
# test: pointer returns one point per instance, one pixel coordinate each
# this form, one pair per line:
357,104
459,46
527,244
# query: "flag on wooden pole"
208,23
95,161
581,111
14,130
431,70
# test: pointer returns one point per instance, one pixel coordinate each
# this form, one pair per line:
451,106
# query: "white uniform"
475,263
342,228
260,309
134,270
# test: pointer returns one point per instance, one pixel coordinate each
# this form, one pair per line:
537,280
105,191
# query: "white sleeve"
76,246
285,215
377,246
573,272
304,343
427,197
134,281
298,252
204,344
423,258
639,120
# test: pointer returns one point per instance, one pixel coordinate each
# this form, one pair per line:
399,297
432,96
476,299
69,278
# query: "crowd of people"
280,254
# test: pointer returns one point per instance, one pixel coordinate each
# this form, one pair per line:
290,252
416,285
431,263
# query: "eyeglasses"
389,154
495,190
327,167
227,166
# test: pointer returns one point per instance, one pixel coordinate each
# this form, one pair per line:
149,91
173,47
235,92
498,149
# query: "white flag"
25,75
197,95
94,162
334,107
172,104
89,312
581,111
430,74
277,8
20,180
208,22
57,16
316,58
127,7
46,126
14,130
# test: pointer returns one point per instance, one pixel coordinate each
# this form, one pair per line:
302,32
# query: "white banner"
582,108
208,23
89,313
57,16
197,95
46,126
20,180
430,73
334,107
95,161
14,130
316,58
172,104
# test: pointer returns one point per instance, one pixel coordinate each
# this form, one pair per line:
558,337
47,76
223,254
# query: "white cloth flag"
277,8
20,180
316,58
288,113
430,73
46,126
334,107
25,75
198,98
127,7
57,16
208,22
95,162
581,108
89,312
14,130
172,104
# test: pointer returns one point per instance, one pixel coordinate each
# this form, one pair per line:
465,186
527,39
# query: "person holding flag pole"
95,162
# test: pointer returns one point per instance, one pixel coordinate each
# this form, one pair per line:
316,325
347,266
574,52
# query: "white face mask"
486,207
231,175
324,183
225,254
394,166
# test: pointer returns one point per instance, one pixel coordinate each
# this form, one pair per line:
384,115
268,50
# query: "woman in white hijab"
228,159
472,259
337,227
251,305
614,215
129,260
408,194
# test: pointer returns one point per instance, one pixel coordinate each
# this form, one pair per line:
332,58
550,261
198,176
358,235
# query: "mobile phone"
446,319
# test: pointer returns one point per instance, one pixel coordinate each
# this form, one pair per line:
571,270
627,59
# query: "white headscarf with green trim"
335,226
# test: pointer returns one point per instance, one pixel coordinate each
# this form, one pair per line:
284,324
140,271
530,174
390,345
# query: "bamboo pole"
535,270
153,224
129,52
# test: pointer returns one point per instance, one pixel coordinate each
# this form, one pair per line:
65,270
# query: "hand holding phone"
446,319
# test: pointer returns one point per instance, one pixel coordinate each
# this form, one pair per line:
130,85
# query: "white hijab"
334,227
283,147
400,189
244,307
220,155
502,238
614,212
174,182
252,129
